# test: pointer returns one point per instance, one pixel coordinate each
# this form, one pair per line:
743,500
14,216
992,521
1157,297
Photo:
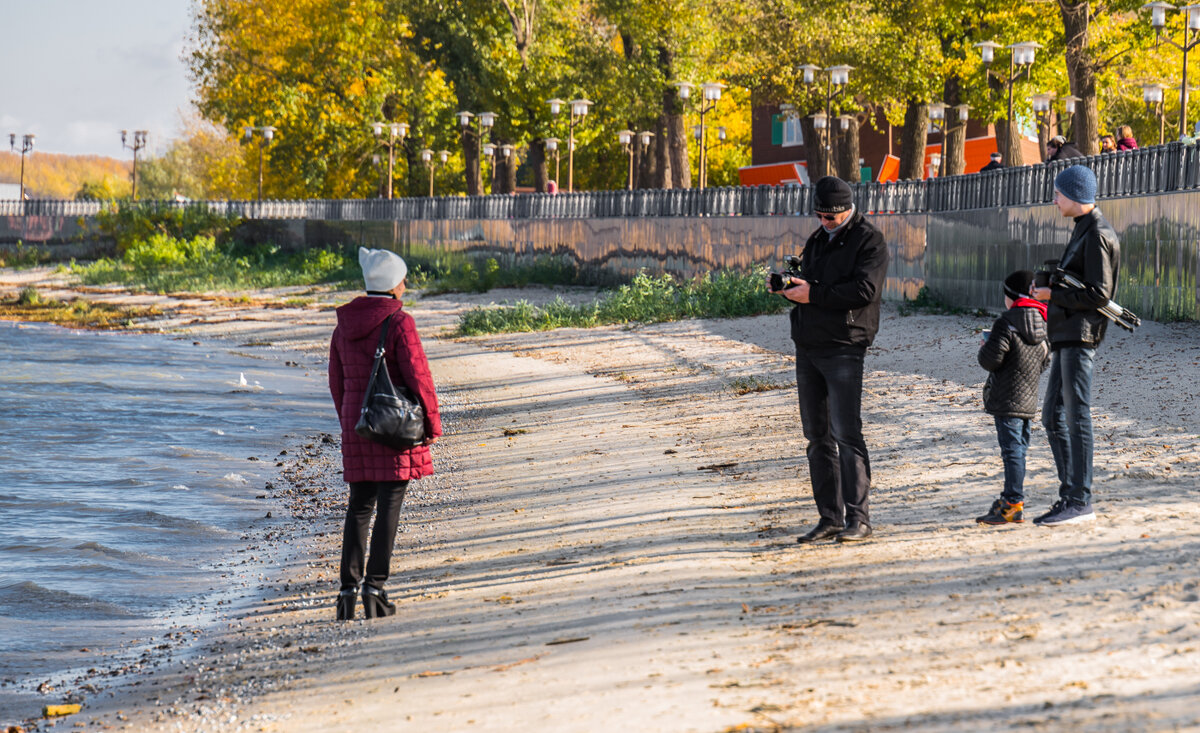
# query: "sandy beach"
609,544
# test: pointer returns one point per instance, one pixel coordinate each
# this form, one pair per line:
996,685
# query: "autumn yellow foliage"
57,176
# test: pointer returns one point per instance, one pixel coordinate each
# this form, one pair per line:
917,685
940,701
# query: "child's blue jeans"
1013,434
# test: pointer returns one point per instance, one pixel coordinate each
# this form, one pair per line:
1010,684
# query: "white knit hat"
382,269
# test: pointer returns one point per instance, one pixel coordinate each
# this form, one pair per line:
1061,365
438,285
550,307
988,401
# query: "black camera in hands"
777,281
1044,276
1052,275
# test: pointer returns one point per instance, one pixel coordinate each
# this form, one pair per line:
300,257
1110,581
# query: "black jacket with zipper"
1094,257
1015,355
846,272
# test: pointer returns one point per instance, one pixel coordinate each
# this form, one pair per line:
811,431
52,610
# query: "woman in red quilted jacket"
378,475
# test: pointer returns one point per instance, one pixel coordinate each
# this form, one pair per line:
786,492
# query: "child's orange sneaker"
1003,512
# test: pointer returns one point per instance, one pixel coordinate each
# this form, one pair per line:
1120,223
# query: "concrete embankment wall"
961,256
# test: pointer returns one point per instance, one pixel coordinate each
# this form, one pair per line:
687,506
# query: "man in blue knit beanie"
1076,328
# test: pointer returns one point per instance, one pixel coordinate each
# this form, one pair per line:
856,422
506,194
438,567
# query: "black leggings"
364,496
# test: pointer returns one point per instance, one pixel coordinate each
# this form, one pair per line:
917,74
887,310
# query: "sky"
77,72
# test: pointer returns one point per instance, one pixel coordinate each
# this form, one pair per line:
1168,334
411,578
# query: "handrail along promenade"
1146,171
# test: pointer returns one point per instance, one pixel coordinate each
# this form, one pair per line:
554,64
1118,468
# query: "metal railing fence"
1158,169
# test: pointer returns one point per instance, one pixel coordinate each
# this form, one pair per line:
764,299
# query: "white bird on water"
242,380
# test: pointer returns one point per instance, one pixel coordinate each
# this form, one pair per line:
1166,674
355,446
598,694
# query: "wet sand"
610,543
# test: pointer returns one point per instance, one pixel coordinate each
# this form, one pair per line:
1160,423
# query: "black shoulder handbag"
390,416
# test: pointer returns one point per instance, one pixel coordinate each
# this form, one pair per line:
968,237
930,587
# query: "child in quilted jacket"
1015,353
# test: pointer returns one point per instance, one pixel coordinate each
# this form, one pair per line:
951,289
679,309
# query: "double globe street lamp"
1191,38
140,137
578,110
627,138
427,158
26,147
487,121
937,113
397,131
839,77
710,94
1020,64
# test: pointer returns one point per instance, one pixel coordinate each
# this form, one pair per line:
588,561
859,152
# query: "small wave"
235,478
112,552
27,599
145,517
180,487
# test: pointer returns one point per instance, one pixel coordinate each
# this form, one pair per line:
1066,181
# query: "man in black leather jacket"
1076,329
834,321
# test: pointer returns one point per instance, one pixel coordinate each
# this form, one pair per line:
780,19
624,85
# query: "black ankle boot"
376,603
345,604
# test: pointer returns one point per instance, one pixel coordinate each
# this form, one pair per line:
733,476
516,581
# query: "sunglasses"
827,217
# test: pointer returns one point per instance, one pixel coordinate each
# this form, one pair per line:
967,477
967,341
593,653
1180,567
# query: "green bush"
20,256
437,271
647,299
164,264
130,222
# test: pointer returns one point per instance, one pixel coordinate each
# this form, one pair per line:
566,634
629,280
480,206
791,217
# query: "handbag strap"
379,352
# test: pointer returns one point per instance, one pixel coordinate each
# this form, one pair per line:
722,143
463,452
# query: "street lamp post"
397,131
486,121
489,150
938,113
26,147
1191,37
839,77
578,110
1152,95
1020,63
710,94
551,144
626,139
1041,112
139,141
266,135
427,158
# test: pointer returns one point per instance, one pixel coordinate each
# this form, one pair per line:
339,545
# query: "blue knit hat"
1077,183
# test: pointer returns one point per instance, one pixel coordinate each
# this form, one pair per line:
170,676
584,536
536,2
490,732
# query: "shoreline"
610,540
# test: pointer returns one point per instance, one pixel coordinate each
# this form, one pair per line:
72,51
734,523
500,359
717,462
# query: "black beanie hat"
833,196
1017,284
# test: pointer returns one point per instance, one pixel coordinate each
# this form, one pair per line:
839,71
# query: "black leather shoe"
376,603
345,604
854,532
823,531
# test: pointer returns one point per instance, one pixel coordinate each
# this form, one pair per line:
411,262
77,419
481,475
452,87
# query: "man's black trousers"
829,382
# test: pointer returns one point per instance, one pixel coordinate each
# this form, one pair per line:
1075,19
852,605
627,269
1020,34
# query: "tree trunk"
912,140
506,173
848,168
537,159
815,158
954,162
644,167
470,143
674,130
1081,69
662,158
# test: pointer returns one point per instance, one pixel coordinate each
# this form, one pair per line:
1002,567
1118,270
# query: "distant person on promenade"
1076,328
378,475
1126,141
995,164
1059,149
552,186
1015,354
1108,144
835,319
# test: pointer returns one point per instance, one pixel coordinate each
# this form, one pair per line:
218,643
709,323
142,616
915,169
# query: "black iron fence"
1162,168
